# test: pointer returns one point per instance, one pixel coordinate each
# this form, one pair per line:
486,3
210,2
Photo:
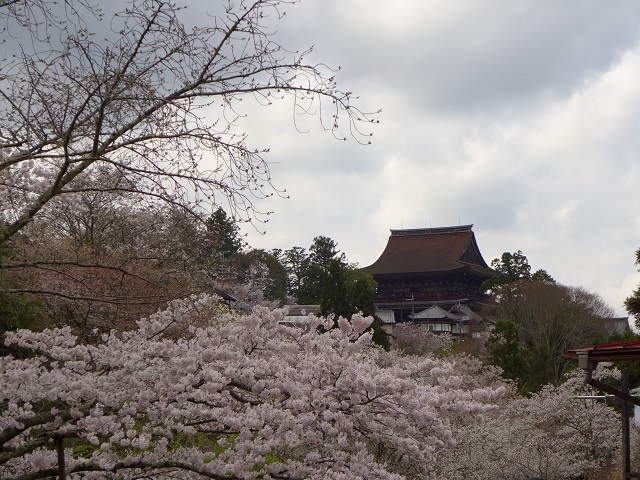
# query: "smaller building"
387,320
438,320
297,314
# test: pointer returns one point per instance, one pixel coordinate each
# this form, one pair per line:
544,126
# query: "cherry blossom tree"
550,435
240,398
130,101
155,103
414,339
102,262
99,261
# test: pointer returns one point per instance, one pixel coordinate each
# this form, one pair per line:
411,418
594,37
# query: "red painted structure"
588,359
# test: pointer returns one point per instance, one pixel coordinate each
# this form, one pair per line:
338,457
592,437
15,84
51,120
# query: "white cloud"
520,117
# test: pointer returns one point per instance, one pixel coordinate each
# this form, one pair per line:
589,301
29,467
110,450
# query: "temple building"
427,267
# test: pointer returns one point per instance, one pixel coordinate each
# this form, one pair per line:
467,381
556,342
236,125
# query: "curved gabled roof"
431,250
435,312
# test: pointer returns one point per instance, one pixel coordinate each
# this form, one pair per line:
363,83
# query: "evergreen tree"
347,292
16,311
632,303
503,346
265,270
511,269
324,277
315,269
294,260
538,320
225,232
336,295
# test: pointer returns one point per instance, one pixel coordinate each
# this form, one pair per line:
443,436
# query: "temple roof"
431,250
435,312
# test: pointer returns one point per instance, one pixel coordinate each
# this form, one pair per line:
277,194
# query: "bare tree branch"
156,104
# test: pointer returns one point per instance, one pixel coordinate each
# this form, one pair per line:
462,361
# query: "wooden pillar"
626,440
60,451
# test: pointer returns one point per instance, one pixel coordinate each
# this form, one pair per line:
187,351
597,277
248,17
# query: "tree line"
100,261
536,320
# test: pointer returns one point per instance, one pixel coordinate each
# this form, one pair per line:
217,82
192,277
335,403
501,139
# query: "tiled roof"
464,312
435,312
386,316
434,250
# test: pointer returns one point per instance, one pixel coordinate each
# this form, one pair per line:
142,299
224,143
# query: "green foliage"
323,250
380,337
503,346
632,303
542,276
511,269
539,324
363,288
225,232
348,291
538,321
323,277
336,298
294,261
263,269
311,291
81,448
626,336
16,312
315,270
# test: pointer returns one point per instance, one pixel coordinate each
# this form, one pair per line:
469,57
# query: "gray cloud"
521,117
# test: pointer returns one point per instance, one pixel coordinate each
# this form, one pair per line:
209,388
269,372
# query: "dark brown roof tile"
443,249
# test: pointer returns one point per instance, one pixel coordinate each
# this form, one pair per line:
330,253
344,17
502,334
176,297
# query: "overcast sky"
519,117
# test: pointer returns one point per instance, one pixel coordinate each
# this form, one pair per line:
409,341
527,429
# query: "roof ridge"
431,231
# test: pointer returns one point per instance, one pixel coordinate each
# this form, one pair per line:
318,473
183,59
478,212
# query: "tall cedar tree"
225,232
325,278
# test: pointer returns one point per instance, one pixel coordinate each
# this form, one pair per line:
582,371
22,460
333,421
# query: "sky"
521,117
